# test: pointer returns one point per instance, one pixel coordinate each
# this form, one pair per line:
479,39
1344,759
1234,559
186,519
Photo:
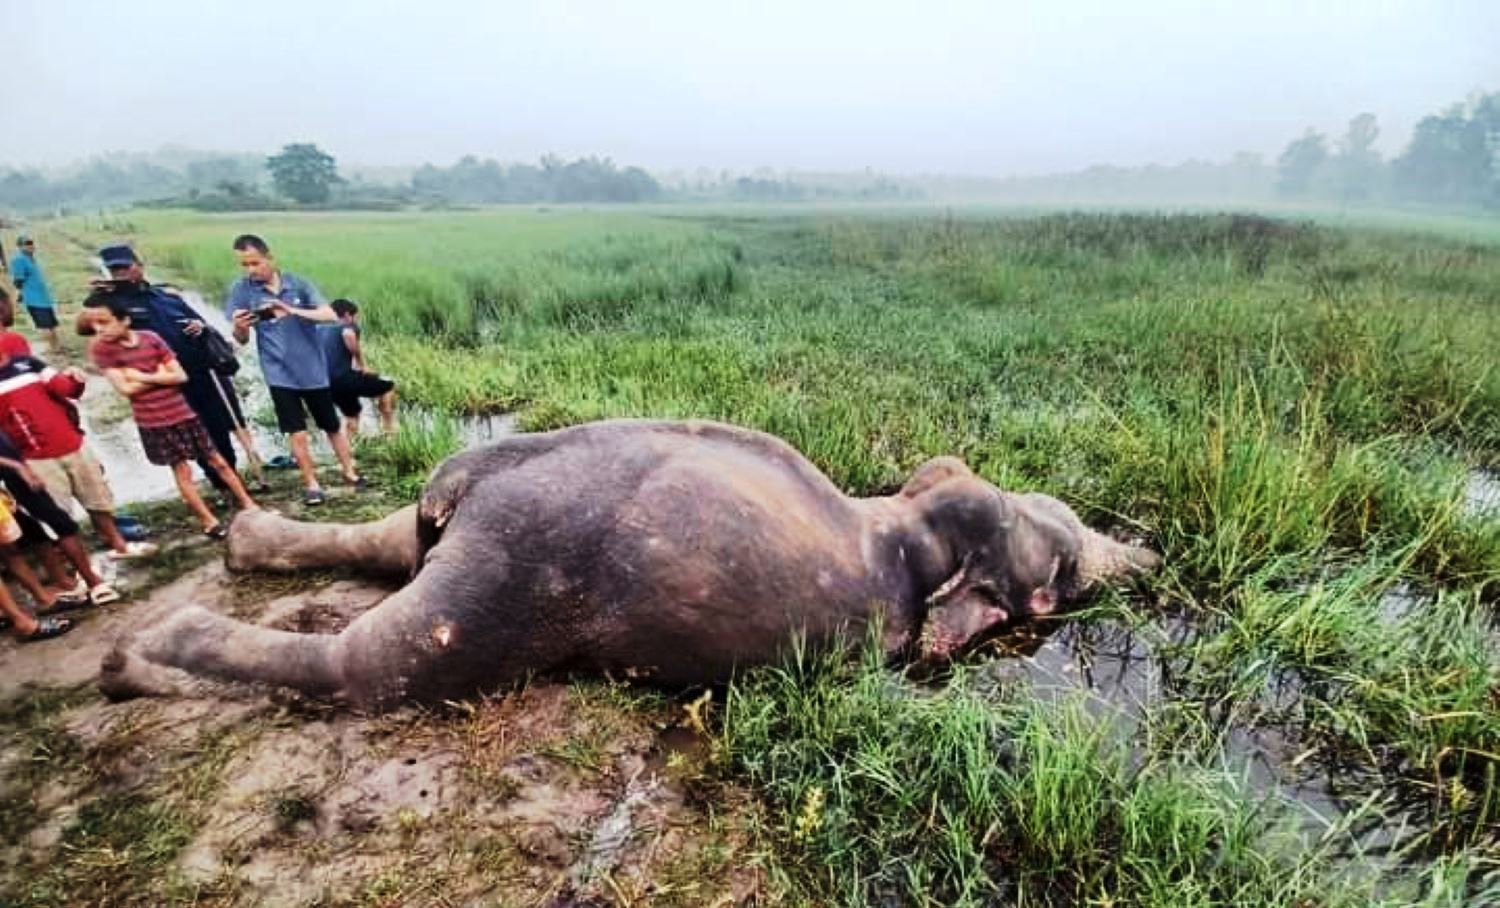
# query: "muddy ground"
582,794
553,795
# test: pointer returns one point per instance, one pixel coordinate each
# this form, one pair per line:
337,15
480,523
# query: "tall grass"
1287,411
884,793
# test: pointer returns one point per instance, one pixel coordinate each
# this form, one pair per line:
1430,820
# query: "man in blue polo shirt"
284,310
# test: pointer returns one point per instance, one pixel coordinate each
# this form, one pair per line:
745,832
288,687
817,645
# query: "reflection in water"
1122,675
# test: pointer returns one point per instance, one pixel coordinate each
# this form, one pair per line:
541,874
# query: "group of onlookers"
174,368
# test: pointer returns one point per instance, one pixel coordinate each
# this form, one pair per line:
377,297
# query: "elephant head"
1008,557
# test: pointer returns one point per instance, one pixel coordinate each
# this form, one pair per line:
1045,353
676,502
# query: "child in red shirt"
141,366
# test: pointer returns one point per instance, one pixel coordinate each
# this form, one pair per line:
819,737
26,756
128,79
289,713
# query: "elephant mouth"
960,622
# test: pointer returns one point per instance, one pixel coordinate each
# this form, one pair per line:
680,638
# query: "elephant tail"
1102,559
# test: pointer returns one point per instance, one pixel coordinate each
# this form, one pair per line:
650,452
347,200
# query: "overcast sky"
920,86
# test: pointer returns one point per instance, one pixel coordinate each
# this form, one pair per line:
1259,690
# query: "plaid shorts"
174,444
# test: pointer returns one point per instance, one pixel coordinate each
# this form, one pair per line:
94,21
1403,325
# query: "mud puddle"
1122,674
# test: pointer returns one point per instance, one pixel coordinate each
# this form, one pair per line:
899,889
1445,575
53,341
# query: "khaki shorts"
77,475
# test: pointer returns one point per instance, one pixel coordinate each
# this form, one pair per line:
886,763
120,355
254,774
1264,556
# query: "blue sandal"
48,627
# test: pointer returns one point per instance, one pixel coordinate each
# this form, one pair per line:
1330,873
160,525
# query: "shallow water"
1121,673
1482,495
117,444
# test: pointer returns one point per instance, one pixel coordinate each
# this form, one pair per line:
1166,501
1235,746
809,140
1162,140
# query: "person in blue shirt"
348,376
284,310
31,284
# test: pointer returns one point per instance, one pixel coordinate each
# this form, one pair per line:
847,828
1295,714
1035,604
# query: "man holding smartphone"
284,310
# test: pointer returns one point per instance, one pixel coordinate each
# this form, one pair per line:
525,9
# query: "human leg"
19,568
326,415
233,482
183,474
387,404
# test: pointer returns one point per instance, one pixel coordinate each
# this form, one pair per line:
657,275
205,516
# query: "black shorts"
44,317
289,417
350,387
38,506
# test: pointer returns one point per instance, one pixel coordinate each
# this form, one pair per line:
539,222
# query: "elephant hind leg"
194,647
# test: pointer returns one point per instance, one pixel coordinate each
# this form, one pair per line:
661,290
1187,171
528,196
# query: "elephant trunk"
260,540
1101,559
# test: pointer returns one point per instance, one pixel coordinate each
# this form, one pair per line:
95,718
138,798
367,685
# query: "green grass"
1289,410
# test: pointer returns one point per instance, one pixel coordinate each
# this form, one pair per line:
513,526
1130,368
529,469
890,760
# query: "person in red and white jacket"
38,414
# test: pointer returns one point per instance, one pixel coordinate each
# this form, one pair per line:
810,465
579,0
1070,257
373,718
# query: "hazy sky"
922,86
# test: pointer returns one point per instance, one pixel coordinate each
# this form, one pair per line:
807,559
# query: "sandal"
48,627
103,594
313,497
218,532
78,595
68,604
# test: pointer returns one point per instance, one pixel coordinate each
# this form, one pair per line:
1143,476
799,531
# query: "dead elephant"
678,551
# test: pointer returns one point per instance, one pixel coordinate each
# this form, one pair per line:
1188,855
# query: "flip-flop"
103,594
217,532
48,627
66,605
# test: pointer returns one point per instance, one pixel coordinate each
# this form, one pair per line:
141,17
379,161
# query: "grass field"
1291,412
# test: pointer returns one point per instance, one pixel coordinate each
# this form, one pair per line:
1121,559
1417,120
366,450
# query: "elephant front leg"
262,541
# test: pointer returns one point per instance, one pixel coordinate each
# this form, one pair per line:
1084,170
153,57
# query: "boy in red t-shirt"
141,366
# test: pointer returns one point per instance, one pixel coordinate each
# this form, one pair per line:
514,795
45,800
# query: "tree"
1359,163
1300,163
303,172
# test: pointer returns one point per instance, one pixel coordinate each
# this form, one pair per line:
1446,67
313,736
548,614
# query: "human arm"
237,310
127,386
356,354
169,372
23,469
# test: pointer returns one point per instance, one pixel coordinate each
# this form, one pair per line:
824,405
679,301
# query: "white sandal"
103,594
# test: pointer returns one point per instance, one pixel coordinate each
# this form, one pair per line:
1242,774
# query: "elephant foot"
125,675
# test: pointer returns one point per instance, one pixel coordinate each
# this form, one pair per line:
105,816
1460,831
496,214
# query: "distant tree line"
304,175
551,180
1453,159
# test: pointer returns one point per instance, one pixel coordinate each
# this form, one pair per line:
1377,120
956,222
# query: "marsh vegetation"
1294,414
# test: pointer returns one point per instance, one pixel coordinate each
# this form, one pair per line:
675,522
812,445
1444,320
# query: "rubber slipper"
217,532
65,605
47,628
103,594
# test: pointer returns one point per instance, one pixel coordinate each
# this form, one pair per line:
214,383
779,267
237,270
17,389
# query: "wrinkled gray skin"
676,551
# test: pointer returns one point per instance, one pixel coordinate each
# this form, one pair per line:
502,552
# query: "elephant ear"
935,471
957,613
